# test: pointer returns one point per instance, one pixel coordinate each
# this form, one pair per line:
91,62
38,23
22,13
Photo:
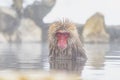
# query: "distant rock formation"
94,29
114,32
8,11
28,31
13,29
18,6
8,23
38,10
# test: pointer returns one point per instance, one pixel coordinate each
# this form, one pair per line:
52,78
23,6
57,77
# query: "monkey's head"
62,34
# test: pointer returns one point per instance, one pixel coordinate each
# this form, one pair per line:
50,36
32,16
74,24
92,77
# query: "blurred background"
91,17
24,43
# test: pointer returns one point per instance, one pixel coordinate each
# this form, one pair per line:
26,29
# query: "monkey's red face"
62,38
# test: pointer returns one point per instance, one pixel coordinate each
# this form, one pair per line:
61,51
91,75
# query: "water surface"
103,60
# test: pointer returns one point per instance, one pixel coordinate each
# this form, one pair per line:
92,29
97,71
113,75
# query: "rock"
114,32
28,31
18,6
14,30
8,11
38,10
2,38
8,23
94,29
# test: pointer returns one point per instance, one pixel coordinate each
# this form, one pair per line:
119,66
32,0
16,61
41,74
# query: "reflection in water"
28,55
20,56
103,60
9,59
67,65
96,54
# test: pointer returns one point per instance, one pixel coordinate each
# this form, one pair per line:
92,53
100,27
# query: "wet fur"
74,48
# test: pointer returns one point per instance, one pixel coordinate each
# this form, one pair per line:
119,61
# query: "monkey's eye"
58,34
66,34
